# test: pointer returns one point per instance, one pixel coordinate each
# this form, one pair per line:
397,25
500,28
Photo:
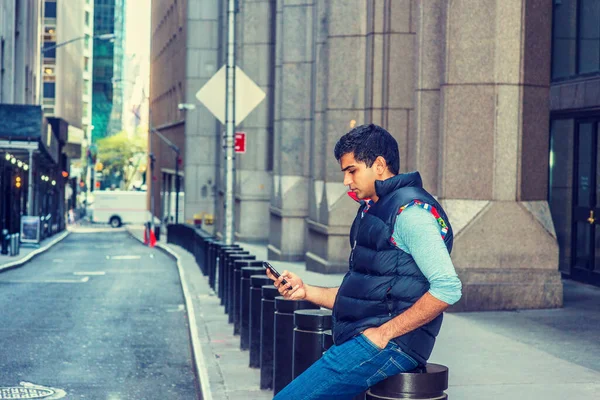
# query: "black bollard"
210,257
198,254
424,383
5,241
223,259
247,272
283,346
213,263
224,271
256,284
228,291
236,290
204,256
309,337
269,292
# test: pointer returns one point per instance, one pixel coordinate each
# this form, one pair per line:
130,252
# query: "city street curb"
28,257
202,372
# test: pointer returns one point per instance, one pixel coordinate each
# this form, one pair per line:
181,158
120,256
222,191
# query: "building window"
575,38
50,9
86,64
49,74
50,34
86,42
49,50
87,18
589,36
49,90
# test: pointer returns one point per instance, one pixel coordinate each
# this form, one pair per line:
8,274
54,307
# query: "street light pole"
230,126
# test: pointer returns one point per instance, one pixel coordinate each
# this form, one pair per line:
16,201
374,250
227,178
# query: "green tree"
122,156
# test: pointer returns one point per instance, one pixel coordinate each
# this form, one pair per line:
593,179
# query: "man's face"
358,177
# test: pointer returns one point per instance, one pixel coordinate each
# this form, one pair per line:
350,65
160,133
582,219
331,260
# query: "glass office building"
109,17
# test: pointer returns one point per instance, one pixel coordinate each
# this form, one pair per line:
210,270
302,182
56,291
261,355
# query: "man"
388,310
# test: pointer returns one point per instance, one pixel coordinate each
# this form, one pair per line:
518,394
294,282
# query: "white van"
120,207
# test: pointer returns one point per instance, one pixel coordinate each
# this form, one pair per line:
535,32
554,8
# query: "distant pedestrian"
388,310
71,216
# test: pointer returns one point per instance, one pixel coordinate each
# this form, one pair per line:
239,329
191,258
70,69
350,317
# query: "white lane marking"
82,280
124,257
96,273
179,308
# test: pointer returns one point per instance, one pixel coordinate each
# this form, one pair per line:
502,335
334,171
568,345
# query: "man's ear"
380,165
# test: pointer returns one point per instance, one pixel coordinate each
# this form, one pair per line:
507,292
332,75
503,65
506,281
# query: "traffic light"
18,181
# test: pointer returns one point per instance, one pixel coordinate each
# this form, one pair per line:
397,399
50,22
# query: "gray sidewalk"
26,253
518,355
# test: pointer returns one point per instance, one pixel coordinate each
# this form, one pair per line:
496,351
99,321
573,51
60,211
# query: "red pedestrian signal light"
97,185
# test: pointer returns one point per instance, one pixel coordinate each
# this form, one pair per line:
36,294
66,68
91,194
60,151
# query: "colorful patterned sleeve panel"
419,231
432,210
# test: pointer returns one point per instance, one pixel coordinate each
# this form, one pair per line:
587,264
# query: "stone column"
320,27
340,103
256,27
424,147
494,152
390,55
293,122
202,130
364,74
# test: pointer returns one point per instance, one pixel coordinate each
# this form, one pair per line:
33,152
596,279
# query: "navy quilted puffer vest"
384,281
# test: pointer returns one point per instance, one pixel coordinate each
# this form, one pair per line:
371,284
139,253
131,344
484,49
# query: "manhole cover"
30,391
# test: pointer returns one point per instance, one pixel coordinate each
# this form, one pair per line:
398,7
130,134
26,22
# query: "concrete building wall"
494,152
19,53
70,23
293,123
202,130
167,89
255,56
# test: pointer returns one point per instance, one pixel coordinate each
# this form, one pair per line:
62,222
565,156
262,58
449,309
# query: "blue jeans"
347,370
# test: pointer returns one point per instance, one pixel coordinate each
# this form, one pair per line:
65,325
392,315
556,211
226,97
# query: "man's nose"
347,180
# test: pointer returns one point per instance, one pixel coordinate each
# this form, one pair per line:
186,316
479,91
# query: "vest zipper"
362,214
388,298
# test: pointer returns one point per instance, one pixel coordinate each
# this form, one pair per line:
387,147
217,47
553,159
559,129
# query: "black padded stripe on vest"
383,281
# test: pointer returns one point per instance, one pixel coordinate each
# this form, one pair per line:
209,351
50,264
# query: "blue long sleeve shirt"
418,233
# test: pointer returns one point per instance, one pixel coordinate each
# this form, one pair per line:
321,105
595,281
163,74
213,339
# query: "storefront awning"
24,127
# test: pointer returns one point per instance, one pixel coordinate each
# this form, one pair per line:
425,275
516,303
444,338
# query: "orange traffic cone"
145,234
152,238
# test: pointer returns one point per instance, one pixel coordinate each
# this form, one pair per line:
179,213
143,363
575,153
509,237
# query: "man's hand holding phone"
289,285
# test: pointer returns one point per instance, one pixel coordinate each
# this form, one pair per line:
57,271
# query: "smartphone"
274,271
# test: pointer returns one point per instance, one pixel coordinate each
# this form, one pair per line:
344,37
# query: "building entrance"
586,203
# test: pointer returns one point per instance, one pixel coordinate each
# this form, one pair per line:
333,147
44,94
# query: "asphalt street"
99,316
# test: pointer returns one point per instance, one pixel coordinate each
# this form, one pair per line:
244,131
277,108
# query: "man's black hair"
368,142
